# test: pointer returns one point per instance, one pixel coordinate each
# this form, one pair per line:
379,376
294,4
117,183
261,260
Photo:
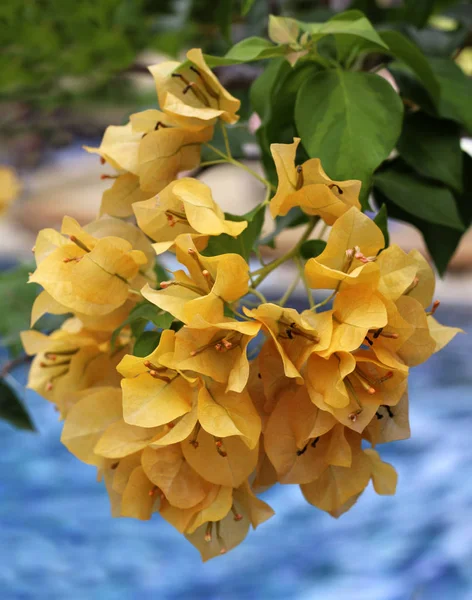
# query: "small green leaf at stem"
12,409
146,343
381,220
312,248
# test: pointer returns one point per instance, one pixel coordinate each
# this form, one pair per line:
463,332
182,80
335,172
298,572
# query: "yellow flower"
211,282
66,363
84,273
10,187
308,187
165,152
216,350
389,424
301,440
184,206
353,386
153,394
168,470
357,310
295,335
149,152
119,148
339,487
94,428
227,461
217,536
191,94
349,256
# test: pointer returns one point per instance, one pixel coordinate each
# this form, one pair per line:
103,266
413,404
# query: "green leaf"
420,197
381,220
247,50
418,11
261,90
140,316
441,241
432,148
351,121
146,343
360,27
411,89
456,91
161,273
224,18
16,301
411,55
245,243
12,409
246,7
312,248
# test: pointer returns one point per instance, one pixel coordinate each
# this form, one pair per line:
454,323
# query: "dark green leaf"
312,248
381,220
12,409
351,121
456,91
420,197
432,148
411,55
161,273
261,90
16,301
246,6
248,50
435,42
142,314
146,343
418,11
412,90
441,241
360,27
224,18
245,243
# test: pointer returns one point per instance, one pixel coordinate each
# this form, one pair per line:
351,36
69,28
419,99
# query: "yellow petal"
121,439
384,476
122,471
119,147
119,199
393,424
337,485
397,272
420,345
180,430
231,470
441,334
353,229
137,501
10,187
214,512
257,510
87,421
225,414
170,472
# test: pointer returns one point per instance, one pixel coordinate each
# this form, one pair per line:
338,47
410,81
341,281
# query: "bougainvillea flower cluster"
190,398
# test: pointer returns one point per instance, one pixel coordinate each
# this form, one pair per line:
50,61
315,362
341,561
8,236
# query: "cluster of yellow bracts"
195,429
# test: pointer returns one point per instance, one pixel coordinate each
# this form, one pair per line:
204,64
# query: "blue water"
57,540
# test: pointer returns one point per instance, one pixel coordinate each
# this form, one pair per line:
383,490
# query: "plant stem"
301,271
225,137
264,271
240,165
289,291
258,294
208,163
326,300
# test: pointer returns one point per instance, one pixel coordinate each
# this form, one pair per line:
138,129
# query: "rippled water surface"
57,540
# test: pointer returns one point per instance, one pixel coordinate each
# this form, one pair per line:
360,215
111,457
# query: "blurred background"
67,70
